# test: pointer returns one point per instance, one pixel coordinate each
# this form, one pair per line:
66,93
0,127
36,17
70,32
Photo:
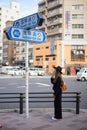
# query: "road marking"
43,84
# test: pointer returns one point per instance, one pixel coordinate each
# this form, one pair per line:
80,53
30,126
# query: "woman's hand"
53,95
53,73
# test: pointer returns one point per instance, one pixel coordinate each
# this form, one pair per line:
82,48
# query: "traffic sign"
26,35
28,22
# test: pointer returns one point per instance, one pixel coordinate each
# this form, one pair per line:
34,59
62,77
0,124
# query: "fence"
42,97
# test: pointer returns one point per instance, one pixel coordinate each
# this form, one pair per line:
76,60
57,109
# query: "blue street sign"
26,35
28,22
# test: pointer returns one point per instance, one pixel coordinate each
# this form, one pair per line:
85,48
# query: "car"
82,74
14,72
6,69
32,72
39,71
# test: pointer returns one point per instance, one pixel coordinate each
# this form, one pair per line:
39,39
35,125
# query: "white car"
39,71
82,74
14,72
32,72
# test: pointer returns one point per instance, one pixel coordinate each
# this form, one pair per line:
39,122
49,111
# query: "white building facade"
7,14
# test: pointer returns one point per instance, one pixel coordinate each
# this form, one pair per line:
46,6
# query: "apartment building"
65,21
9,48
20,55
11,14
52,12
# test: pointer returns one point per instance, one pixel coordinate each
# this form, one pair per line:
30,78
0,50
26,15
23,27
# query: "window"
23,50
54,58
77,36
77,16
77,26
37,48
47,47
79,47
12,17
77,53
23,58
38,58
15,6
80,6
46,58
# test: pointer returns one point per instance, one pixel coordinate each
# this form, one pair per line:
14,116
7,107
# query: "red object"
72,70
0,126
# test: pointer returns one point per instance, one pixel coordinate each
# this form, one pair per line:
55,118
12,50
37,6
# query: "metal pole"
21,103
77,102
27,105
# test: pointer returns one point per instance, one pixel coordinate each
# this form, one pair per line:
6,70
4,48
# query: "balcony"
56,21
54,13
55,4
42,26
41,2
42,8
54,31
51,4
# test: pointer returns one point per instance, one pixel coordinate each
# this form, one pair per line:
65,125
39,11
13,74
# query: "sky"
27,7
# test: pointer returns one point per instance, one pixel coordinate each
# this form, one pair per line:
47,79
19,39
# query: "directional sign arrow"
28,22
26,35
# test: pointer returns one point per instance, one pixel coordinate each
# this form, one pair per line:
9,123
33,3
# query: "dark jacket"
57,85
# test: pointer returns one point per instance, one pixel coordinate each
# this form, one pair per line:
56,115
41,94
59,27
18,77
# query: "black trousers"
58,106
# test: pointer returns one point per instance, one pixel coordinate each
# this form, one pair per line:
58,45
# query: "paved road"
42,84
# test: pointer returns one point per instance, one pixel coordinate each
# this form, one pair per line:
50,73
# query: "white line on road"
43,84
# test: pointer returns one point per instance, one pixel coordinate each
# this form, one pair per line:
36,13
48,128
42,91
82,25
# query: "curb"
42,110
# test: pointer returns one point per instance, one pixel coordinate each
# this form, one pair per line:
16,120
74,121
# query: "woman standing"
56,80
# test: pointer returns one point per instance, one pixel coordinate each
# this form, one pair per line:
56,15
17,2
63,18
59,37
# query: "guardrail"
36,97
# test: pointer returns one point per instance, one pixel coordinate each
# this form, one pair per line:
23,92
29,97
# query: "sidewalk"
40,120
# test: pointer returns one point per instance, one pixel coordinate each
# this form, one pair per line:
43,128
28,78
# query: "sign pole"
27,88
21,31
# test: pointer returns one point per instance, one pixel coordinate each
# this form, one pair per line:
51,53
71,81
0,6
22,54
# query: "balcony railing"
51,22
55,3
55,12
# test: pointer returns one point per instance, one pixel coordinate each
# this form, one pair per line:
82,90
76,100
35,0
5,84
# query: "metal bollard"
21,103
77,102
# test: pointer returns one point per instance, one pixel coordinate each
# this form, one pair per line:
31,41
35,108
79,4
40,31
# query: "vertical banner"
67,26
52,48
